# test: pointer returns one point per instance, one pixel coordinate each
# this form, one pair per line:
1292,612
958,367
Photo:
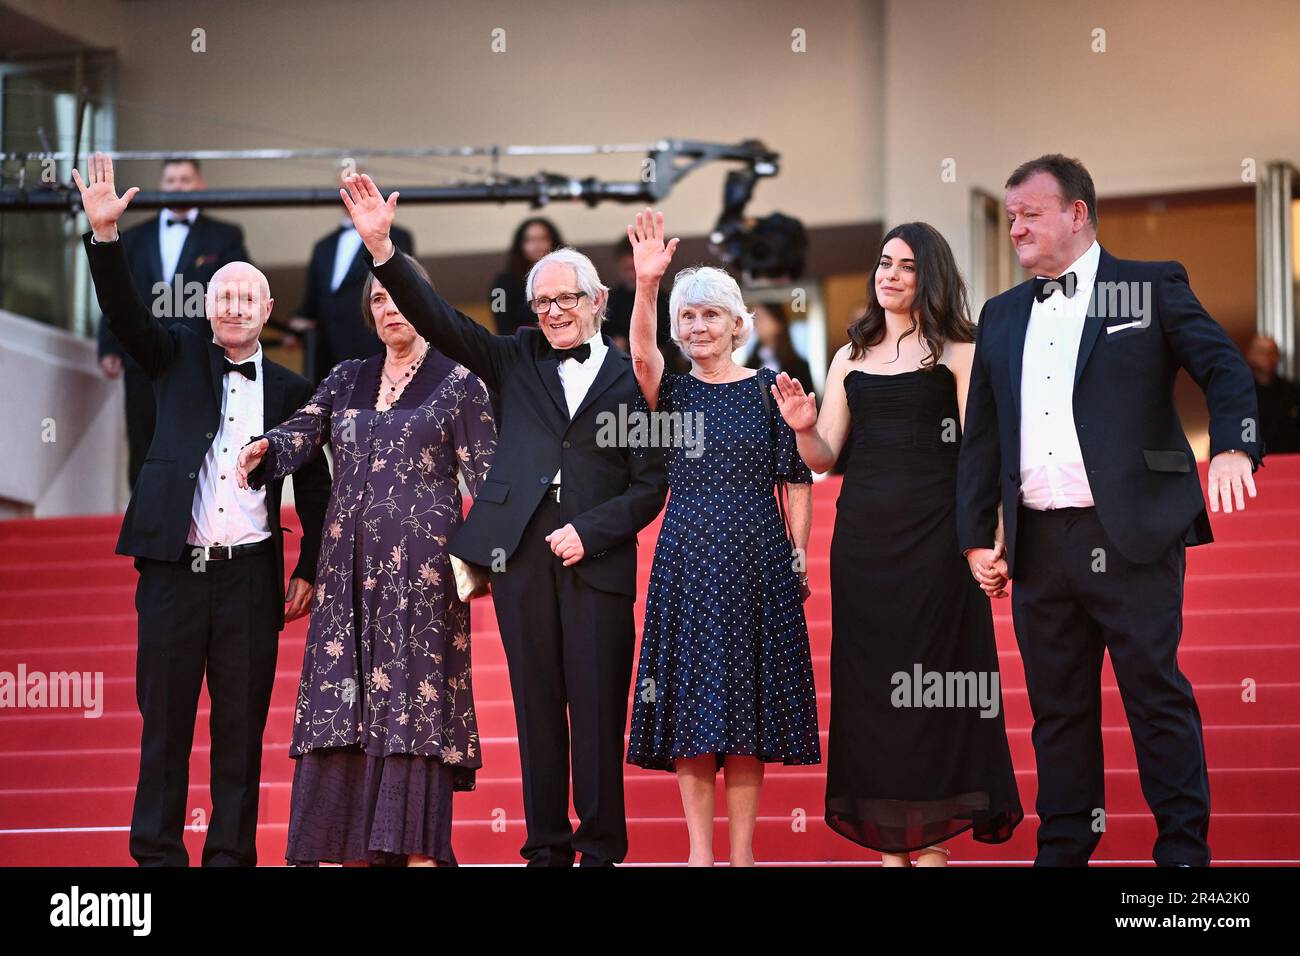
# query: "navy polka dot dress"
724,665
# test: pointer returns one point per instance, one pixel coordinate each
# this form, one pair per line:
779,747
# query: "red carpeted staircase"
66,781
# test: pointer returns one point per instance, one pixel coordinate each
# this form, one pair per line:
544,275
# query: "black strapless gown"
909,763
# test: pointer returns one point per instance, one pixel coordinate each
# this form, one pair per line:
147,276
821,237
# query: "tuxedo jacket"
340,331
210,245
608,493
186,370
1140,466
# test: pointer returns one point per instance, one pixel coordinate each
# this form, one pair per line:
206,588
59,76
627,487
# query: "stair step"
777,839
67,604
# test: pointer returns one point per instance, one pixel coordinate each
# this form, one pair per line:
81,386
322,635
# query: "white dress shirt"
172,238
223,513
576,377
344,253
1052,472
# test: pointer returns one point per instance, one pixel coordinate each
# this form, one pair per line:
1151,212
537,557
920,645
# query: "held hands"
250,456
989,568
566,544
649,253
372,216
798,408
1229,473
298,599
100,200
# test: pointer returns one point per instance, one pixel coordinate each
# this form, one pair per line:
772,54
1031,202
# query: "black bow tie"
246,369
1043,288
176,222
581,353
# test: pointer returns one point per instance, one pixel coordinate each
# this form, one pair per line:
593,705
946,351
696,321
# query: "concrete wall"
1184,92
62,433
332,73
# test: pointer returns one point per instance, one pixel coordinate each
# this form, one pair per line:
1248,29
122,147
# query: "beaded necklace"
391,398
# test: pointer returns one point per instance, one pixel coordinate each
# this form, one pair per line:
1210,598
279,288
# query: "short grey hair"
706,285
588,279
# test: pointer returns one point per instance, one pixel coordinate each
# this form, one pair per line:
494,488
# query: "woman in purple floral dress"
385,727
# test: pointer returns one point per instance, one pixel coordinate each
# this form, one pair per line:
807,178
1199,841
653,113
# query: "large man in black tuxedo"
178,247
336,276
1071,425
556,521
210,595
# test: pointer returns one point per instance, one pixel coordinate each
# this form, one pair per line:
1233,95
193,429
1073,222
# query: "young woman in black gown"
904,772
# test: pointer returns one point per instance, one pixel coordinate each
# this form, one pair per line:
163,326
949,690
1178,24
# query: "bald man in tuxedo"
180,245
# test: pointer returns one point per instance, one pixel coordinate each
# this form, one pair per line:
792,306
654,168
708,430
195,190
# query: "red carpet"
66,782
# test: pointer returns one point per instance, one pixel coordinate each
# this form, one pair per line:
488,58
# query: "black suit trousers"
568,648
224,621
1074,598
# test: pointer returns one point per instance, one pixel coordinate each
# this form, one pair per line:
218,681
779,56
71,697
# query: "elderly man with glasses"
556,522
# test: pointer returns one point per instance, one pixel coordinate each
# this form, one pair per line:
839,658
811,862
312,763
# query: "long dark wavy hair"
516,262
940,310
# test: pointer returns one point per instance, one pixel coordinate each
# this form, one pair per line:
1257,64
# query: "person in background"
179,246
335,276
385,729
725,679
534,238
1279,398
775,348
210,597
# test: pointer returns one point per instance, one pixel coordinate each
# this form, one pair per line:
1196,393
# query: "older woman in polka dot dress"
725,679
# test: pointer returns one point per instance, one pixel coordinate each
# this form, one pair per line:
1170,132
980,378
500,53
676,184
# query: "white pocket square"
1126,325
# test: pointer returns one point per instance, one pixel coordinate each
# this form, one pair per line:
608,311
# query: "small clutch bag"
471,580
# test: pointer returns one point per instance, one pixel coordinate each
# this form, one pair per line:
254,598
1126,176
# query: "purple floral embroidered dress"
385,726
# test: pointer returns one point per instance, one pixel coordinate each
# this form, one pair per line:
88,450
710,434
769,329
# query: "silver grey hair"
706,285
588,279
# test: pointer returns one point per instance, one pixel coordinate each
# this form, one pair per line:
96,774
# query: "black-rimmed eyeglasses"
565,300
